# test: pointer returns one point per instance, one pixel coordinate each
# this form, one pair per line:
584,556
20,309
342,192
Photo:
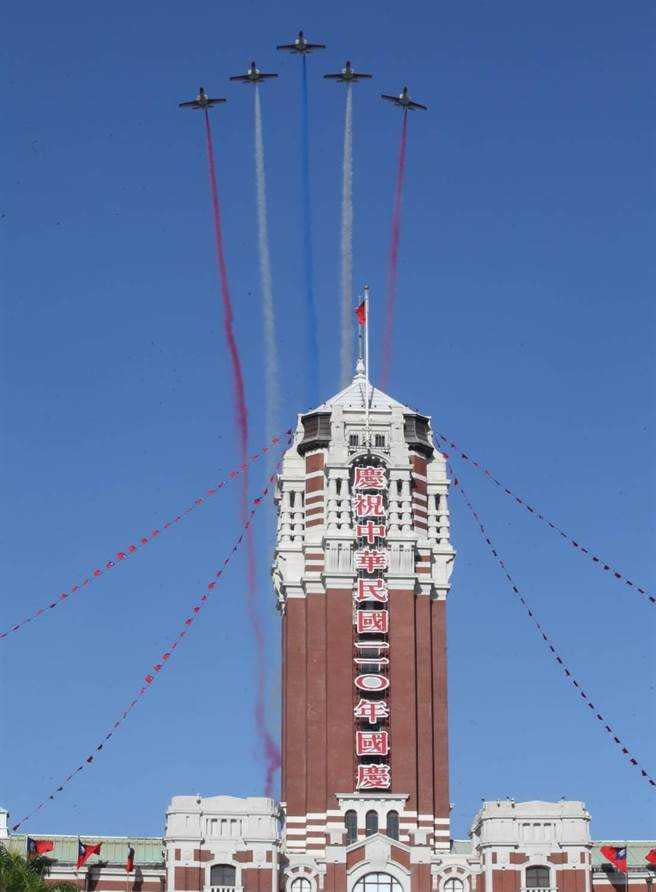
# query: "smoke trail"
271,380
311,346
392,274
241,414
347,243
272,372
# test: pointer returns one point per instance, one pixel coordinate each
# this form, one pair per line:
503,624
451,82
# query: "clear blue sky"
525,328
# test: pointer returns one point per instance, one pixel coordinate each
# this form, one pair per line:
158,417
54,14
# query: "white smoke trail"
272,374
347,245
271,387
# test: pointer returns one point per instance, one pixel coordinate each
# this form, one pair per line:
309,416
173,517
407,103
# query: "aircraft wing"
192,104
412,104
240,77
315,46
394,99
334,77
287,46
214,101
262,76
357,75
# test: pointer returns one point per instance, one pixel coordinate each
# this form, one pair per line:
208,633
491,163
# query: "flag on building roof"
129,864
361,312
85,851
38,846
616,855
651,856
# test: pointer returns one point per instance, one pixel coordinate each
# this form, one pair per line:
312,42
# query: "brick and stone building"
362,568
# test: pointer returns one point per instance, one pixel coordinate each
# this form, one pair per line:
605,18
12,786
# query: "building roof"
147,849
635,851
353,397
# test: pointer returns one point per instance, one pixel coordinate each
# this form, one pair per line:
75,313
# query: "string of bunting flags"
165,657
600,562
546,638
132,549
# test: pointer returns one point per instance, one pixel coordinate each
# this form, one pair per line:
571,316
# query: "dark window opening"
223,875
537,877
351,824
392,829
379,440
371,823
353,440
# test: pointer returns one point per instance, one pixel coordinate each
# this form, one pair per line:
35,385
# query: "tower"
362,566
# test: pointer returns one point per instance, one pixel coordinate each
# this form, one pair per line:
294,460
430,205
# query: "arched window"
301,884
351,824
371,823
453,884
537,877
223,875
377,882
392,829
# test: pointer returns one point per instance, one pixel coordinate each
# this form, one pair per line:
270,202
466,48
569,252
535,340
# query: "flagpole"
366,363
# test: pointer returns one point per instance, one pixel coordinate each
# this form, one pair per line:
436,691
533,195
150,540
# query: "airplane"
403,101
347,75
301,45
201,101
252,76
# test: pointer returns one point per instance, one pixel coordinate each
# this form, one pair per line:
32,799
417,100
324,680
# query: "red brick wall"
316,693
340,765
441,718
402,695
421,878
570,880
295,754
424,707
188,879
505,880
254,880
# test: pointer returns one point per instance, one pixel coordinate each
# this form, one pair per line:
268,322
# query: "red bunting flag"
85,851
361,312
651,856
616,855
38,846
129,864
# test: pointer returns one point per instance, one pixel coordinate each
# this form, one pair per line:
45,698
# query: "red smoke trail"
392,274
271,753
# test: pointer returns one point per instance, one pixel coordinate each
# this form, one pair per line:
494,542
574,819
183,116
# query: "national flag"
85,851
651,856
129,864
38,846
361,312
616,855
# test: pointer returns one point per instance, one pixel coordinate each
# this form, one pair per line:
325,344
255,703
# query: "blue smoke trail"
311,346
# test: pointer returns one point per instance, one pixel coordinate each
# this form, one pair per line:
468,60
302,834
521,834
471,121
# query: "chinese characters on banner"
371,596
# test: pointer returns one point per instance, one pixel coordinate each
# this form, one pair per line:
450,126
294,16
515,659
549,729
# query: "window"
353,440
379,440
351,824
453,884
371,823
392,829
223,875
377,882
301,884
537,878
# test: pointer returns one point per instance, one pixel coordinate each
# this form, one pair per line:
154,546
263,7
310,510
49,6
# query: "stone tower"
362,565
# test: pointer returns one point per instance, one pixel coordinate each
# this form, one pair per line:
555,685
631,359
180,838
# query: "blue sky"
525,327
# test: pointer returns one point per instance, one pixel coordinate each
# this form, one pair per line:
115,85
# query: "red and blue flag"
616,855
